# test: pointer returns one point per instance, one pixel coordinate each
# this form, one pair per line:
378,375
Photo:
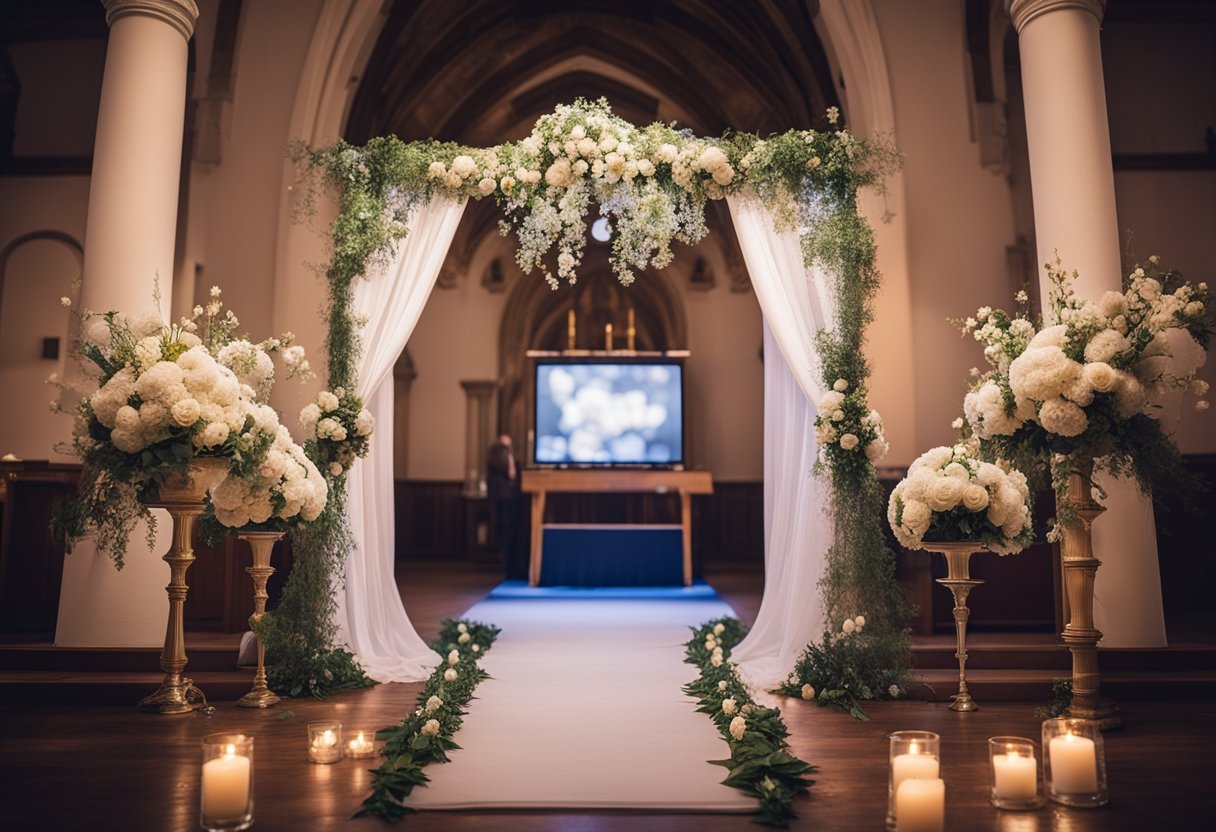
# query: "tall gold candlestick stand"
1080,568
960,583
183,497
261,544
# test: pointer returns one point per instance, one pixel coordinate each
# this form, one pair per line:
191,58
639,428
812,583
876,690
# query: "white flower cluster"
341,427
846,426
954,496
1122,354
286,485
167,386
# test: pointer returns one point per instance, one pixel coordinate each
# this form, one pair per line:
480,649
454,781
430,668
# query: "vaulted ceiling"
482,71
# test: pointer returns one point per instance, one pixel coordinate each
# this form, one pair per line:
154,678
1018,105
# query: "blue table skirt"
612,556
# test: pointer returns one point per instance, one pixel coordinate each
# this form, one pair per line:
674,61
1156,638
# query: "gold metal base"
261,545
259,699
1105,713
960,583
179,696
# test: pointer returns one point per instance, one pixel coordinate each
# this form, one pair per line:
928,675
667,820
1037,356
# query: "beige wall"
959,218
959,215
36,275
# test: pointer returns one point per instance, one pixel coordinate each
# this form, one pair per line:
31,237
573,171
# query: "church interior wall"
960,220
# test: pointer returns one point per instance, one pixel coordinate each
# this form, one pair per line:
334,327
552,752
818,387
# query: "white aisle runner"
585,710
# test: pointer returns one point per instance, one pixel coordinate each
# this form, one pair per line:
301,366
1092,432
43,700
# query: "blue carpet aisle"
584,709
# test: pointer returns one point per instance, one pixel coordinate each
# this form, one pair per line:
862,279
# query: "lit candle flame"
912,748
230,750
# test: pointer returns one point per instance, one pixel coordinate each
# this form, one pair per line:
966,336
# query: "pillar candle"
226,786
913,765
1015,776
920,805
1074,764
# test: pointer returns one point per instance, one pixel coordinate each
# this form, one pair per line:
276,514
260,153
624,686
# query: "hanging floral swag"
652,184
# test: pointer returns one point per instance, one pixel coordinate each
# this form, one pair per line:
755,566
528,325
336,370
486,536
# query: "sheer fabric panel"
796,302
371,618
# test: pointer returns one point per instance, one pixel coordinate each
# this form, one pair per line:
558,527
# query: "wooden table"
539,481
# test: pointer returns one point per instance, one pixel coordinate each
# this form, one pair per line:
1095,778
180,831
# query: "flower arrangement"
1088,384
951,495
339,428
760,763
425,736
844,669
846,428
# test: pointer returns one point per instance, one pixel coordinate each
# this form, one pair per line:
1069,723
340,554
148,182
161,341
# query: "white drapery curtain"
370,617
797,303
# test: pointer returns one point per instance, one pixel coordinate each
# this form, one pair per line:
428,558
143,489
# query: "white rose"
893,691
945,494
462,627
335,469
848,627
487,185
738,727
722,685
454,658
975,497
430,728
876,450
840,385
729,706
1100,376
808,692
436,170
216,433
849,441
185,412
558,174
327,401
433,704
476,648
450,675
958,471
716,660
719,629
464,638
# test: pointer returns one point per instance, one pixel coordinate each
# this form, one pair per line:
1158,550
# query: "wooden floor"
109,768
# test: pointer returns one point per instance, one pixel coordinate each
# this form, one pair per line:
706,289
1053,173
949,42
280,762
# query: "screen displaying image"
604,414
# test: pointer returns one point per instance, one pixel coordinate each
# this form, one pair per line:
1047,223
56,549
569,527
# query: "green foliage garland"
760,763
425,736
652,183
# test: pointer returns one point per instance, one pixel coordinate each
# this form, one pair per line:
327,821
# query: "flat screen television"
609,412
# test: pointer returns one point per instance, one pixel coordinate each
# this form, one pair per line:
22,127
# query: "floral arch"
793,199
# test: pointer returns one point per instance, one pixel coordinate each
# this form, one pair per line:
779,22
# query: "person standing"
502,486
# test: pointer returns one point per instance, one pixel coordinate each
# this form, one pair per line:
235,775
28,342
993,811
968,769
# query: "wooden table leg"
686,521
538,526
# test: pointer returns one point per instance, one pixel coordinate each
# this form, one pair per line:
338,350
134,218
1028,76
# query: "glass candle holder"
361,745
1074,762
324,742
915,755
1014,771
226,803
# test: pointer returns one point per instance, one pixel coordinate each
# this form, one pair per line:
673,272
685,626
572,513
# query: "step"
1035,685
47,657
42,687
1055,656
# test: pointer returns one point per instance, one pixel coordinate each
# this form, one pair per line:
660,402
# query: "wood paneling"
31,557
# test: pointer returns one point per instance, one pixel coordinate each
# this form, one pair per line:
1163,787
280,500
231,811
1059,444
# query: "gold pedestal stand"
262,546
183,497
1080,569
960,583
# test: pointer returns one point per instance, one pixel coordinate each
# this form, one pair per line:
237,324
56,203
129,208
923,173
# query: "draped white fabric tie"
370,617
797,303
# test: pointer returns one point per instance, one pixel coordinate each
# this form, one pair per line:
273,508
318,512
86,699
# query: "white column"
129,241
1074,215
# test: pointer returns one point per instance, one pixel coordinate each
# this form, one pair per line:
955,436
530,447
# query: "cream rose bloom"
808,692
729,706
945,494
450,675
430,728
1100,376
975,497
738,727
